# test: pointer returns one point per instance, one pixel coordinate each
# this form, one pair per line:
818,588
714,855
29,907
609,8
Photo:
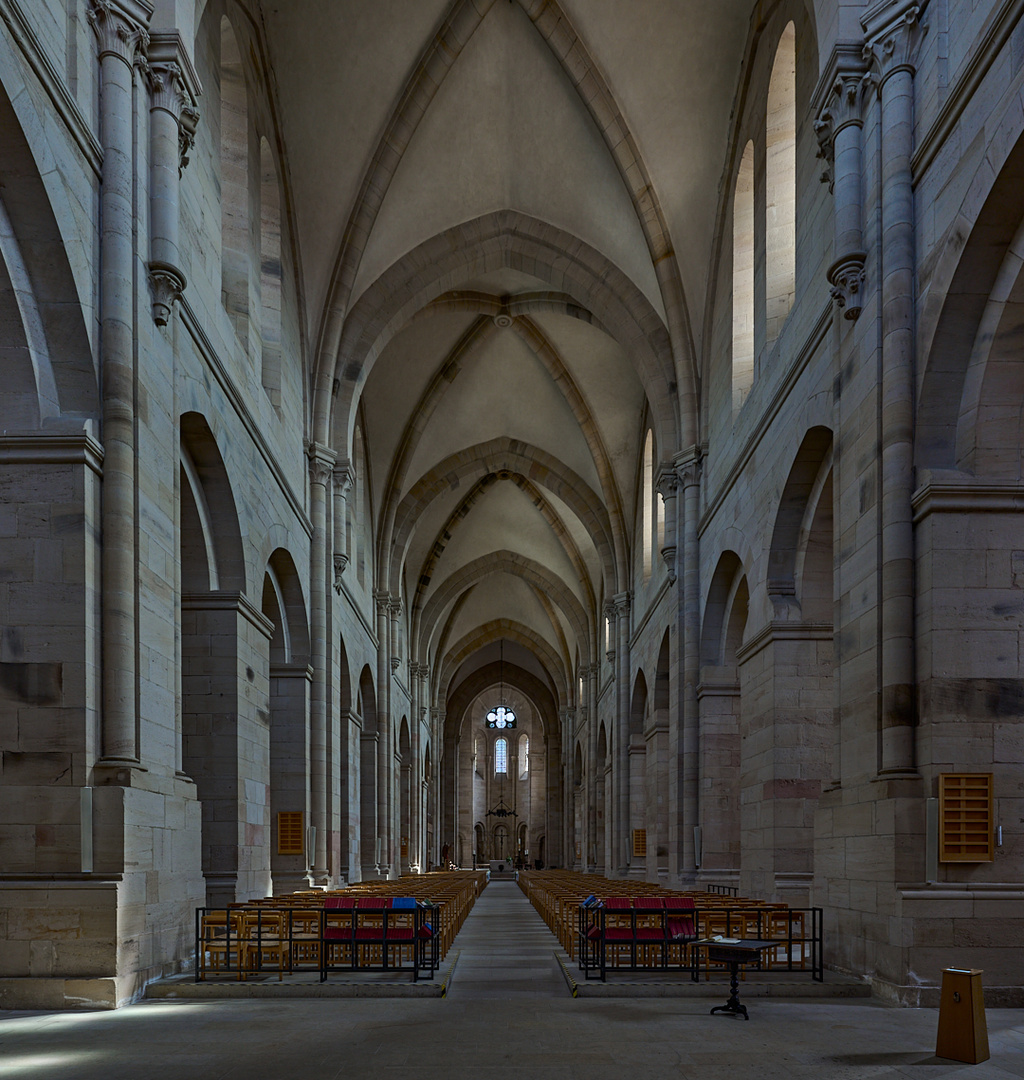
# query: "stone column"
892,46
343,477
668,484
120,27
688,467
321,465
839,132
622,605
174,87
385,757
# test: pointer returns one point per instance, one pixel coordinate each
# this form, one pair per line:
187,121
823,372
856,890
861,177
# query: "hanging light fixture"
501,716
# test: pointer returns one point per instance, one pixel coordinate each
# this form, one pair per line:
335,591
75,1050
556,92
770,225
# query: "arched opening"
288,706
235,217
743,280
369,856
780,186
404,794
636,841
657,738
271,274
224,677
721,710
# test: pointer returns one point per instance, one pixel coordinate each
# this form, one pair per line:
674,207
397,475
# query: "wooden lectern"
963,1034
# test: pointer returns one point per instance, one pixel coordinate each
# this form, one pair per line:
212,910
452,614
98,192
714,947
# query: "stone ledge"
57,993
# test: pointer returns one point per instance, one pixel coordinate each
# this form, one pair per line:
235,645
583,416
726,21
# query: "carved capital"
842,109
321,464
396,663
668,555
622,602
667,483
846,276
344,477
688,467
396,607
167,283
120,29
340,562
174,86
382,598
893,40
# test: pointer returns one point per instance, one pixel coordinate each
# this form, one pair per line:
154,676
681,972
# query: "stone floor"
508,1014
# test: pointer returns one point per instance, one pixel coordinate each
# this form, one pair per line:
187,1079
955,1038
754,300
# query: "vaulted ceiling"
504,214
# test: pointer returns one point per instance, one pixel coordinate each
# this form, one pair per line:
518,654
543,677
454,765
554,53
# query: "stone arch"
529,570
462,511
725,611
974,276
509,239
368,749
288,708
510,631
510,456
39,299
811,466
224,537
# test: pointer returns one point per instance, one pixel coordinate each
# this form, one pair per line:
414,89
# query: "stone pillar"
385,757
688,467
174,87
343,477
120,27
891,47
321,465
839,132
622,606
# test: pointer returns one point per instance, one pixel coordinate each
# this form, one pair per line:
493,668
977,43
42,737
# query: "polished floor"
508,1014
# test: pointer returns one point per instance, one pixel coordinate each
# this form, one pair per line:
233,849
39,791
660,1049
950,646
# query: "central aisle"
506,950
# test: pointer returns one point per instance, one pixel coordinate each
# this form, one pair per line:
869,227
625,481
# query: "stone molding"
291,671
846,276
22,33
962,94
223,600
968,496
783,631
52,450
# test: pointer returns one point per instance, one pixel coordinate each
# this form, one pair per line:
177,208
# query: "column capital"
667,481
343,477
167,283
893,34
688,466
121,28
622,602
321,464
382,598
841,109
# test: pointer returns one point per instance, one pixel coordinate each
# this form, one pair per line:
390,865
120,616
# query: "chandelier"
501,716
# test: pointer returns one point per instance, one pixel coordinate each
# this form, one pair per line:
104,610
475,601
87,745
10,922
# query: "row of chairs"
405,924
641,925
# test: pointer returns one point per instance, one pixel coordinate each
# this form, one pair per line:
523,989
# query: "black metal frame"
243,954
592,951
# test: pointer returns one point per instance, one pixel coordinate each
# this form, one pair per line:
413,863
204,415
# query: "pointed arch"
743,279
780,186
271,274
236,237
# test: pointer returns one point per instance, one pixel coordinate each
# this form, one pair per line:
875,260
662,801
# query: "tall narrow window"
270,273
501,755
743,280
524,756
234,184
647,538
780,190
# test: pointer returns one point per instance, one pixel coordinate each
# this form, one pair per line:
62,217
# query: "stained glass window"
501,755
